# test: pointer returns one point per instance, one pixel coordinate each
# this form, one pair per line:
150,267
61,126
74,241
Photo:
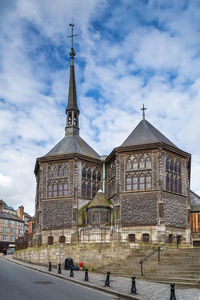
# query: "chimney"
1,205
21,212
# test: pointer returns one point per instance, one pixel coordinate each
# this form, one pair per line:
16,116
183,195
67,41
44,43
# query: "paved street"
19,283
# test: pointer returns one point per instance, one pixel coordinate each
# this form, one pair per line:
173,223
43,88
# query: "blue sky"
129,52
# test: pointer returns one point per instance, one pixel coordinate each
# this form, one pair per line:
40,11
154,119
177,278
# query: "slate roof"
99,200
145,133
4,215
73,144
194,201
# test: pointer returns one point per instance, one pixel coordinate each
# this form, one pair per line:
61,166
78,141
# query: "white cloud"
128,54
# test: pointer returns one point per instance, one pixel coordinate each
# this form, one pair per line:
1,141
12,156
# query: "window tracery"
91,180
138,172
57,180
173,175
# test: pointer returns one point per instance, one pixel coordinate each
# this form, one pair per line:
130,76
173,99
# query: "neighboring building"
13,224
195,218
11,227
146,180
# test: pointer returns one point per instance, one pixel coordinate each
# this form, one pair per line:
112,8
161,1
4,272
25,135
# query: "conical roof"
145,133
73,144
99,200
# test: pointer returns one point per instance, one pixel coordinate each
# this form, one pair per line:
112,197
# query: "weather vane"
72,52
143,111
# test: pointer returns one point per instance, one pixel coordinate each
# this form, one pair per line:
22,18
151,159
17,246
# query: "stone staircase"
181,266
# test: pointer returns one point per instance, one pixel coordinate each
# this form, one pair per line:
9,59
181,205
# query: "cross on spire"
72,52
143,111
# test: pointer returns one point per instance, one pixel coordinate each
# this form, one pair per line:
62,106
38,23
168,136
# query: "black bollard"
133,288
71,272
59,268
50,267
172,296
86,275
107,282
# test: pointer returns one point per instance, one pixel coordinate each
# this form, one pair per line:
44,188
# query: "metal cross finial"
143,113
72,52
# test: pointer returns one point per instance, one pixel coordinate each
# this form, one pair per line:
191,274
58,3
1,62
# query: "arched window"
148,181
50,190
179,169
50,173
83,189
142,163
167,163
171,184
99,176
62,189
89,190
176,185
88,174
171,166
180,186
65,189
69,118
65,172
129,165
84,173
141,181
135,182
148,163
75,119
55,172
176,167
94,190
55,190
60,172
94,176
128,183
135,164
167,182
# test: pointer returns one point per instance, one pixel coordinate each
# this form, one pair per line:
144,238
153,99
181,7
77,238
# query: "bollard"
172,296
50,267
71,272
86,275
59,268
107,282
133,288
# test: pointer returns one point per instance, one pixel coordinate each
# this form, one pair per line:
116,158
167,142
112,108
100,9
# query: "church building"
141,188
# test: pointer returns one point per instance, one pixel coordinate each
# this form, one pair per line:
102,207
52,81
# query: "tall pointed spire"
72,111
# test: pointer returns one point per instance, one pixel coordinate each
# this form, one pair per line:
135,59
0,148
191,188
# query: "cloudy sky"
129,52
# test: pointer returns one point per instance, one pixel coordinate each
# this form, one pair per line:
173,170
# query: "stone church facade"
146,182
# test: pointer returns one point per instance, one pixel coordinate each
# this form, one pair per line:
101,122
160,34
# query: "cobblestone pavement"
145,290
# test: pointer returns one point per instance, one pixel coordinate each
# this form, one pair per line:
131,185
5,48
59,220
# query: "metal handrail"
158,249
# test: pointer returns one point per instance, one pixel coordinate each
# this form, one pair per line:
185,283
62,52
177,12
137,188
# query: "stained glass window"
83,189
142,163
129,165
148,163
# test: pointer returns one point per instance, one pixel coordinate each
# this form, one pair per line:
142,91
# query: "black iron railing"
158,249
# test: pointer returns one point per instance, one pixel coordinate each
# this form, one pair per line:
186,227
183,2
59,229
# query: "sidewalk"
119,286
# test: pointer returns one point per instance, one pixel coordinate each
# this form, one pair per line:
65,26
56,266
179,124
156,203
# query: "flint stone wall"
175,213
139,209
57,213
